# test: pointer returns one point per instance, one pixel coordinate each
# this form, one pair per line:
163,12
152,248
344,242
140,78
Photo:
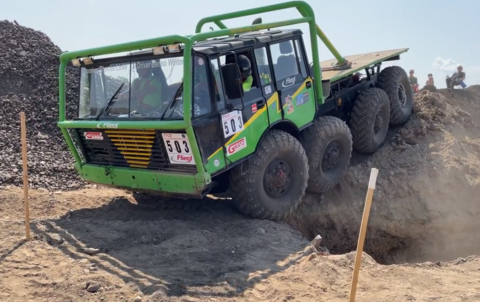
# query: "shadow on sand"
207,251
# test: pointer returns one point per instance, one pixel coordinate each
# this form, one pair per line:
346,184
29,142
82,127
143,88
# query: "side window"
299,52
262,65
229,58
219,96
284,60
201,93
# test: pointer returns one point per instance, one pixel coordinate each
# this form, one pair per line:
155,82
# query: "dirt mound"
425,203
29,82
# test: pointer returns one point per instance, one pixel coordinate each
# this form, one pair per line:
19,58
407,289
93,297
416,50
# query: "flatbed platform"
359,62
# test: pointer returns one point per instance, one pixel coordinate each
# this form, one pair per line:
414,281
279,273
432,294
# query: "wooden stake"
23,127
363,231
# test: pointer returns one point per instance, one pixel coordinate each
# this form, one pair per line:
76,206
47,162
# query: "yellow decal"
248,123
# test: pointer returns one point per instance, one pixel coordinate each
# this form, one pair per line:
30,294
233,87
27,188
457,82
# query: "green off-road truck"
239,110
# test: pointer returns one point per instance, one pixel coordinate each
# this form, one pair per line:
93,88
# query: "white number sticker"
178,148
232,123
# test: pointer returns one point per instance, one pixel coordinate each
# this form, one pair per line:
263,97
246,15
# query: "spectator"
456,79
413,81
430,80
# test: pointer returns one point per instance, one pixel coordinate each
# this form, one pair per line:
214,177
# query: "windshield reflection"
151,88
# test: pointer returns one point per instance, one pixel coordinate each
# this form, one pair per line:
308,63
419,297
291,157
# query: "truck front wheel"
272,183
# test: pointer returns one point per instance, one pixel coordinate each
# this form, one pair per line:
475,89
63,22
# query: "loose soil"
97,244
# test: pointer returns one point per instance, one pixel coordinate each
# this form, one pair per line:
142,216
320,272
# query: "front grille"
143,149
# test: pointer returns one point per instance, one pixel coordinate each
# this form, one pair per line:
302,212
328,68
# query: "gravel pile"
29,82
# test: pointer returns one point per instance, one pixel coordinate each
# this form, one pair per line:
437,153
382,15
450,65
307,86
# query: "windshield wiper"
173,101
109,103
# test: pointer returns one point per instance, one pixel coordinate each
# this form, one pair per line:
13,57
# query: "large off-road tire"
328,144
276,179
394,81
369,120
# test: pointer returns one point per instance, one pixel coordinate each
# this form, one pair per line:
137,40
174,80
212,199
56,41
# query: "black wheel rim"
378,123
331,156
402,95
278,178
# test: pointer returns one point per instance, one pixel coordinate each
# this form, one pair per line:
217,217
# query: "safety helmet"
245,66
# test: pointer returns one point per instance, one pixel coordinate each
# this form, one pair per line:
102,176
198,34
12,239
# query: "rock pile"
29,82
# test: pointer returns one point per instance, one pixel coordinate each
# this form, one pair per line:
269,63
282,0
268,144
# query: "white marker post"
363,231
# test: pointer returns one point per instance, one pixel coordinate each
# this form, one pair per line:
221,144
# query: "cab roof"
244,40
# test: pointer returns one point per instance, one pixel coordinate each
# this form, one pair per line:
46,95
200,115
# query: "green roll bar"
305,10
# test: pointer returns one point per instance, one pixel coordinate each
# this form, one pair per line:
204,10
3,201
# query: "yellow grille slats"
134,140
147,137
134,145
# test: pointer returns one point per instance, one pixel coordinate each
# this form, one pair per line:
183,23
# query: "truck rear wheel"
369,119
276,179
328,144
394,81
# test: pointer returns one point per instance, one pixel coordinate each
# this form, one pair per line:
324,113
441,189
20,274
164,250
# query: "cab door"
264,71
243,128
292,82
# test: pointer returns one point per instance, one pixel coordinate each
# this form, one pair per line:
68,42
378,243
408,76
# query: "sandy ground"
108,248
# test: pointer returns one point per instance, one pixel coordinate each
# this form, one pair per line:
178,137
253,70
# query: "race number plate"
178,148
232,123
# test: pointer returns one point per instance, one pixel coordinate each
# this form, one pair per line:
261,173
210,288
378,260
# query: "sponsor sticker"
254,108
181,159
107,125
97,136
302,99
288,82
268,89
236,146
288,102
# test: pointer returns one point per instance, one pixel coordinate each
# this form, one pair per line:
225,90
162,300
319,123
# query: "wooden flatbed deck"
359,62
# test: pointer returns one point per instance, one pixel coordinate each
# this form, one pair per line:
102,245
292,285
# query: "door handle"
308,84
260,104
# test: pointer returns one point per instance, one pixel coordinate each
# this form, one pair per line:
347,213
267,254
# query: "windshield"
142,88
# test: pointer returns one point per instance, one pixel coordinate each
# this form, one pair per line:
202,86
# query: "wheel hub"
331,157
402,95
278,178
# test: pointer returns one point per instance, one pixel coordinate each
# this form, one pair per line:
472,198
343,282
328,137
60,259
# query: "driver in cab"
146,89
245,67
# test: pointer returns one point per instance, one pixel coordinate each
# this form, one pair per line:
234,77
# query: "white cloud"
445,64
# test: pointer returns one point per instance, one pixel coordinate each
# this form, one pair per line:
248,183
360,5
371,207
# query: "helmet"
245,66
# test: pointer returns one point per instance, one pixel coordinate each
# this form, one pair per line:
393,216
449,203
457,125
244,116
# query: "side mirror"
232,81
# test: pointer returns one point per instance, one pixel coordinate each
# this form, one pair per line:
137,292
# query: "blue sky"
440,35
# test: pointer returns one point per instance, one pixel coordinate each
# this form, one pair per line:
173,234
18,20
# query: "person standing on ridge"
413,81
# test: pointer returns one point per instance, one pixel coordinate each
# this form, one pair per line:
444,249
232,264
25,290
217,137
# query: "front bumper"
173,184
